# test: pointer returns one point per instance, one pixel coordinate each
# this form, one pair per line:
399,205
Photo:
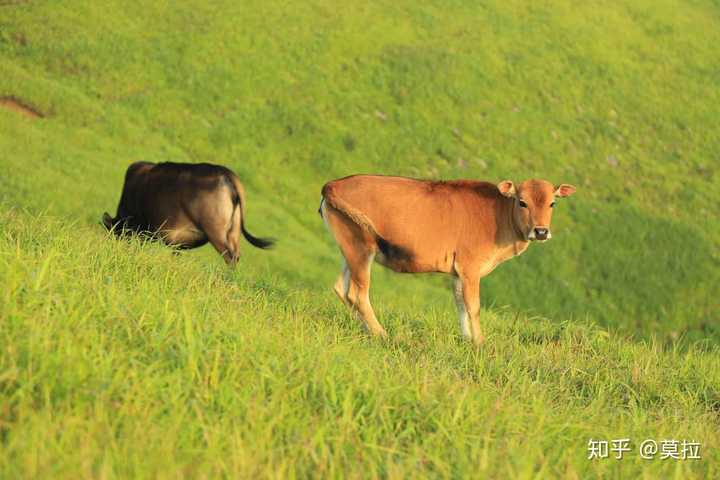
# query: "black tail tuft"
237,203
255,241
393,252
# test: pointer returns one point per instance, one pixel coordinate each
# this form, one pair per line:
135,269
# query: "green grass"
119,359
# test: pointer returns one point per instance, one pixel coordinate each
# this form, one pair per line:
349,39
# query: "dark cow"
185,205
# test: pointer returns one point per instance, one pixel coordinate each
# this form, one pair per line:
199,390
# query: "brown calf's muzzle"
541,234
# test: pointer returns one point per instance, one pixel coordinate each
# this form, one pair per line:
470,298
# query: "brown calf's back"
426,222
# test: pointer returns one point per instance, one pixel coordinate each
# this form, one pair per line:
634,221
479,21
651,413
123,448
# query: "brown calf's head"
533,204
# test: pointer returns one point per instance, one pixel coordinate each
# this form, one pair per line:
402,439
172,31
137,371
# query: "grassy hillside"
120,359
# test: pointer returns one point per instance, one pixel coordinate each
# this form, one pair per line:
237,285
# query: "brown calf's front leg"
462,312
467,299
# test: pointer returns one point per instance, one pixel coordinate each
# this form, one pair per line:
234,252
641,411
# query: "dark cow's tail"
239,202
255,241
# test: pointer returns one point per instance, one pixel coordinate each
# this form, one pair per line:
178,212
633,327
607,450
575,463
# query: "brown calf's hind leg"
353,284
342,284
359,292
344,288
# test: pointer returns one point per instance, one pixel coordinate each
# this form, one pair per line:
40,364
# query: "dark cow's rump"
185,205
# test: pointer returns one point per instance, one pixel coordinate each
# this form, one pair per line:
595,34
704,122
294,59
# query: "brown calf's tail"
352,213
239,201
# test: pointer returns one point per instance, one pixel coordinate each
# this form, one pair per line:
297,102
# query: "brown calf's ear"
507,188
107,221
564,190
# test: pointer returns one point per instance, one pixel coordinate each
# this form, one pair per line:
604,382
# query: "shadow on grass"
629,271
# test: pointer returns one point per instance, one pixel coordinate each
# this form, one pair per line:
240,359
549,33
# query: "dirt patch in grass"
17,105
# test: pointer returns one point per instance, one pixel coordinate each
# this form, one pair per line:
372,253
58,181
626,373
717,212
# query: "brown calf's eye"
552,205
523,204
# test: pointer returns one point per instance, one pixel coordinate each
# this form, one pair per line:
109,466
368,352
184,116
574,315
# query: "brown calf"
462,227
186,205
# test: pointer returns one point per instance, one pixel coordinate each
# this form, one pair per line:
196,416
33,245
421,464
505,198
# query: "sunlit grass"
122,360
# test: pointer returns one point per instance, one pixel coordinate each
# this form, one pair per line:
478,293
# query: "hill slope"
123,361
619,100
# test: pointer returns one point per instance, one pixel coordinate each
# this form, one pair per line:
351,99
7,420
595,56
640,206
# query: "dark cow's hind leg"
233,234
221,223
218,237
220,244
